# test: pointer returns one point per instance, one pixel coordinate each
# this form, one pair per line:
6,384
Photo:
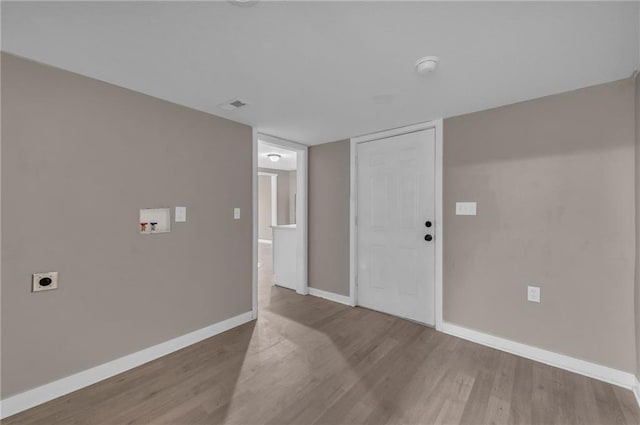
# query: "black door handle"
428,238
428,224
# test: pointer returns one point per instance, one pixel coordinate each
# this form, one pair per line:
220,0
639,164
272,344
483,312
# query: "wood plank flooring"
310,361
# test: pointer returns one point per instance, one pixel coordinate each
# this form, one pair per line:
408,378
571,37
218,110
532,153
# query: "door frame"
302,155
353,213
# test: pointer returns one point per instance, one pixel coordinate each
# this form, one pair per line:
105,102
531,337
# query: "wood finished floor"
311,361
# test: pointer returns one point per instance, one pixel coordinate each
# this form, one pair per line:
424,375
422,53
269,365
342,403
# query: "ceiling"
316,72
288,159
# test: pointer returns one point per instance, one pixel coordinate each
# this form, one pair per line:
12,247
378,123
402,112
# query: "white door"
395,204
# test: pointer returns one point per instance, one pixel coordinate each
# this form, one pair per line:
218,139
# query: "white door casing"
395,265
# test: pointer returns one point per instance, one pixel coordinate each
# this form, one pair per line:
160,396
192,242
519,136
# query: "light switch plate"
465,208
533,294
181,214
236,213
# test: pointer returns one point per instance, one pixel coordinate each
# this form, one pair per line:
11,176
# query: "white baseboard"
267,241
636,390
28,399
331,296
582,367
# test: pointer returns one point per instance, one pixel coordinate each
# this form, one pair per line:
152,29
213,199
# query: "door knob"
428,224
428,238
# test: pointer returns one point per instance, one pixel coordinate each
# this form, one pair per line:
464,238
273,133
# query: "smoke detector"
427,64
232,105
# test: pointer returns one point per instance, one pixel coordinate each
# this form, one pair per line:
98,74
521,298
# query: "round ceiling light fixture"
274,157
427,64
243,3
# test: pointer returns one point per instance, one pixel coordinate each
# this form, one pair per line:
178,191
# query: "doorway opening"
280,217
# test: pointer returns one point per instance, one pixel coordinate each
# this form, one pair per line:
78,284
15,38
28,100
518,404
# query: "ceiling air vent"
232,105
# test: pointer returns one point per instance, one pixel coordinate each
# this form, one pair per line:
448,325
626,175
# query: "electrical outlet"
533,294
44,281
236,213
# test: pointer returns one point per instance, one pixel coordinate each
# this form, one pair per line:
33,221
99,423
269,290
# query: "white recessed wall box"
154,220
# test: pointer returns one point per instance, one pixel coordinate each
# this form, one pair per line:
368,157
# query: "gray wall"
79,159
293,190
554,182
637,275
283,194
264,208
329,217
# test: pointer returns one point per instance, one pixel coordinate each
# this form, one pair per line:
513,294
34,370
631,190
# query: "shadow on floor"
194,385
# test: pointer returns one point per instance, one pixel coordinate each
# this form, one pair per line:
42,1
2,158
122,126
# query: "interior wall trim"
331,296
636,390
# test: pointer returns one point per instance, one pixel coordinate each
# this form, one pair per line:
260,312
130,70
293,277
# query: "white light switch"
181,214
465,208
533,294
236,213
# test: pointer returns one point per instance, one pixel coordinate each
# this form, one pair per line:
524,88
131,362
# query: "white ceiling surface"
288,160
316,72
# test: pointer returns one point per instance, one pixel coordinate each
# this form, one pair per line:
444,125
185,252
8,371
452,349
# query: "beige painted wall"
264,208
283,194
554,182
637,194
79,158
293,189
329,217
